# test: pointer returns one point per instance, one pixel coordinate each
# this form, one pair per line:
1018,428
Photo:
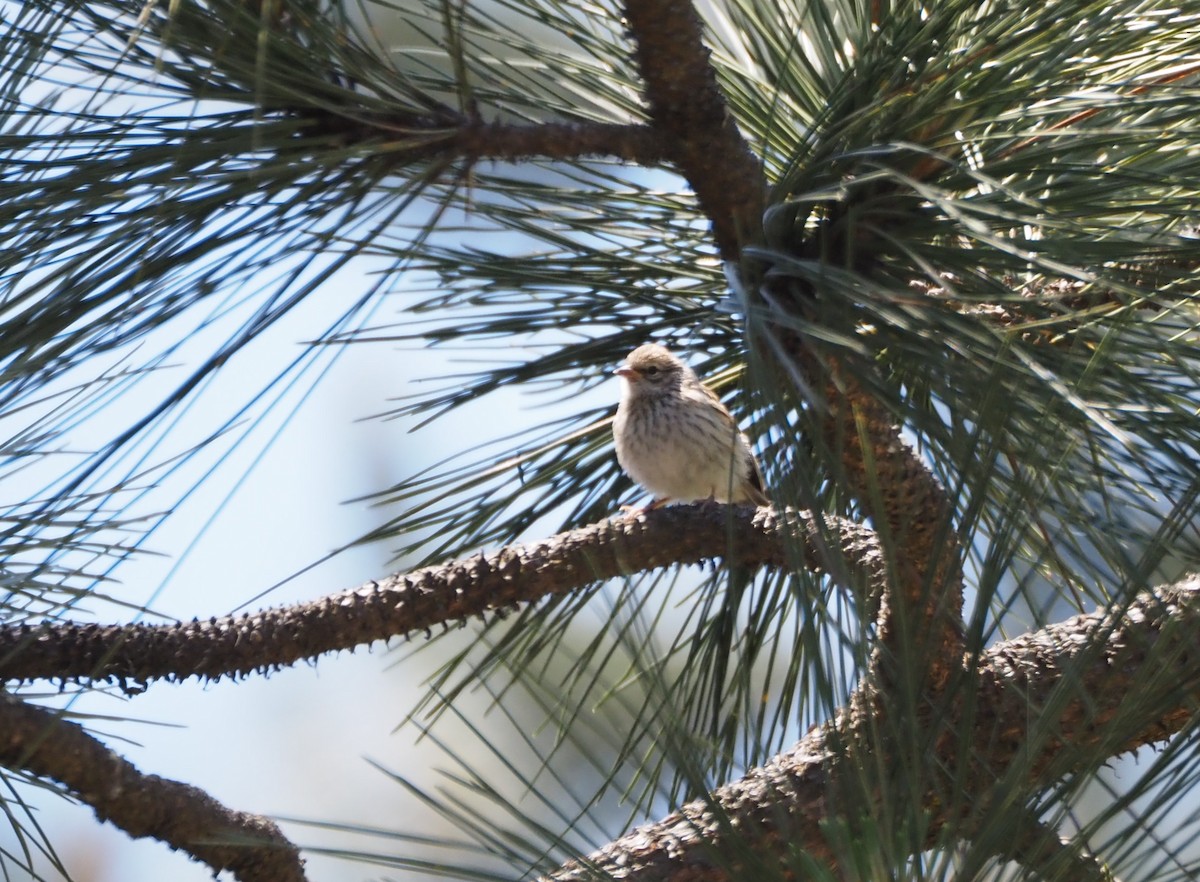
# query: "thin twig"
402,138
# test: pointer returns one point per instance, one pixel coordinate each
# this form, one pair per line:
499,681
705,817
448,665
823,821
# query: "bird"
676,439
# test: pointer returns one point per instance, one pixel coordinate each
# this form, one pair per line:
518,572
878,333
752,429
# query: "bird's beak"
627,372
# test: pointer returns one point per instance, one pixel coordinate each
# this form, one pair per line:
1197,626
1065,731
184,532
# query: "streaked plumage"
675,437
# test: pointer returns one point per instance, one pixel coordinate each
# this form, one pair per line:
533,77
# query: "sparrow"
676,439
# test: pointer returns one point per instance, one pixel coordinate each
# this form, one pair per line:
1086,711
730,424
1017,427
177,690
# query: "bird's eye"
651,371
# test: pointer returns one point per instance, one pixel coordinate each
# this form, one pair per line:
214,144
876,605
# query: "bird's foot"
632,511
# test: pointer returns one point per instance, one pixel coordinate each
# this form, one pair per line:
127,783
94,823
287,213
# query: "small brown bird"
676,438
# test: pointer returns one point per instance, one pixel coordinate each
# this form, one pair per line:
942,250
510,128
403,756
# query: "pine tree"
939,259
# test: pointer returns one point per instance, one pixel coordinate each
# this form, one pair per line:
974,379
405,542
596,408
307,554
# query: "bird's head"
651,369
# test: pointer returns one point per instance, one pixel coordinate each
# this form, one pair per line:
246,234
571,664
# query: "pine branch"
690,112
900,492
1051,856
412,602
1080,673
884,473
184,817
412,137
920,615
1071,297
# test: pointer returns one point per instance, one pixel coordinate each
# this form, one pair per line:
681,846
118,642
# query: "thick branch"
920,616
914,512
417,601
1071,681
1096,673
688,109
250,847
